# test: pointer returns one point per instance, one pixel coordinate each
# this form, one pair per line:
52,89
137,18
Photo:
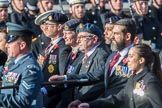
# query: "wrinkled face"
18,4
133,59
118,37
141,7
108,32
116,4
78,11
3,14
50,29
14,48
45,5
3,41
70,37
85,41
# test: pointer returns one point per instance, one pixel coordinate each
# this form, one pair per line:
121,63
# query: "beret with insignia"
53,16
71,25
14,31
4,3
90,28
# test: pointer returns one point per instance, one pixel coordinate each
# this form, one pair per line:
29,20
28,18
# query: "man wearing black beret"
53,58
89,39
21,69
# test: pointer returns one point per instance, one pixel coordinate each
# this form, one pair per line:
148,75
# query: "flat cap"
72,2
71,25
14,31
32,4
53,16
4,3
90,28
112,19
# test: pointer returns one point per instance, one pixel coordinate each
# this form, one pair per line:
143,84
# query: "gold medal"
51,68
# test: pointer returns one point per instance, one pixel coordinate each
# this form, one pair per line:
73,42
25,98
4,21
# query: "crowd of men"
73,52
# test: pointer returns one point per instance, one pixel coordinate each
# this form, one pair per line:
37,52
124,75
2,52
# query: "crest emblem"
50,18
7,30
66,27
80,25
51,68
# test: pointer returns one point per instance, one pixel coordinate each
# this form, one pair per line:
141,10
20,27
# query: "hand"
74,104
56,78
83,105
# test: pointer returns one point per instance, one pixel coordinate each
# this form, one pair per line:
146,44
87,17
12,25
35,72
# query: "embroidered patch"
28,86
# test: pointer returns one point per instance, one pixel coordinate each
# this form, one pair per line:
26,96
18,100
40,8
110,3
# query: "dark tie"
113,62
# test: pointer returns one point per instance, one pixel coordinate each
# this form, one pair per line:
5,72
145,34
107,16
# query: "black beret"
71,25
90,28
112,19
15,30
4,3
53,16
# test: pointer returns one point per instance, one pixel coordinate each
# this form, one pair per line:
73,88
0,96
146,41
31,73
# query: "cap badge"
80,25
66,27
7,29
50,18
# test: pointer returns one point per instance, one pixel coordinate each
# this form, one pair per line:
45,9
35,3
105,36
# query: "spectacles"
83,37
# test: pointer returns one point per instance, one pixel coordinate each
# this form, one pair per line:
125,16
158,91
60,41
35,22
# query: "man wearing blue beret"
21,69
53,59
89,41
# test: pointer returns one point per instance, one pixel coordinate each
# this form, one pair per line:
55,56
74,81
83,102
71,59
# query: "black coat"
145,82
39,45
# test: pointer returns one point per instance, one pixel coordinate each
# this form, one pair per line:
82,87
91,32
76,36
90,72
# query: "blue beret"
4,3
53,16
112,19
90,28
14,31
71,25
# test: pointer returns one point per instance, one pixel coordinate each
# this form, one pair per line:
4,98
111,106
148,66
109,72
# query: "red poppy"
125,60
55,47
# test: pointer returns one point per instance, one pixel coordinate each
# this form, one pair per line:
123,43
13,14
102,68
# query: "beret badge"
50,18
66,27
80,25
7,29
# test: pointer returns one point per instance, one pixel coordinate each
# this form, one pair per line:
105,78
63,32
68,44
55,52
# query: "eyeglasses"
83,37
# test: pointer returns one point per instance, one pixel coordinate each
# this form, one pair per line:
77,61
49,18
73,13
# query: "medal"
51,68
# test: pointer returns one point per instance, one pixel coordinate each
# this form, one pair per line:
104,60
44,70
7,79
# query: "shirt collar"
23,56
92,50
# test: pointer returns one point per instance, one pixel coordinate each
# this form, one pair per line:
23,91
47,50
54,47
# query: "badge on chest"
139,88
12,77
